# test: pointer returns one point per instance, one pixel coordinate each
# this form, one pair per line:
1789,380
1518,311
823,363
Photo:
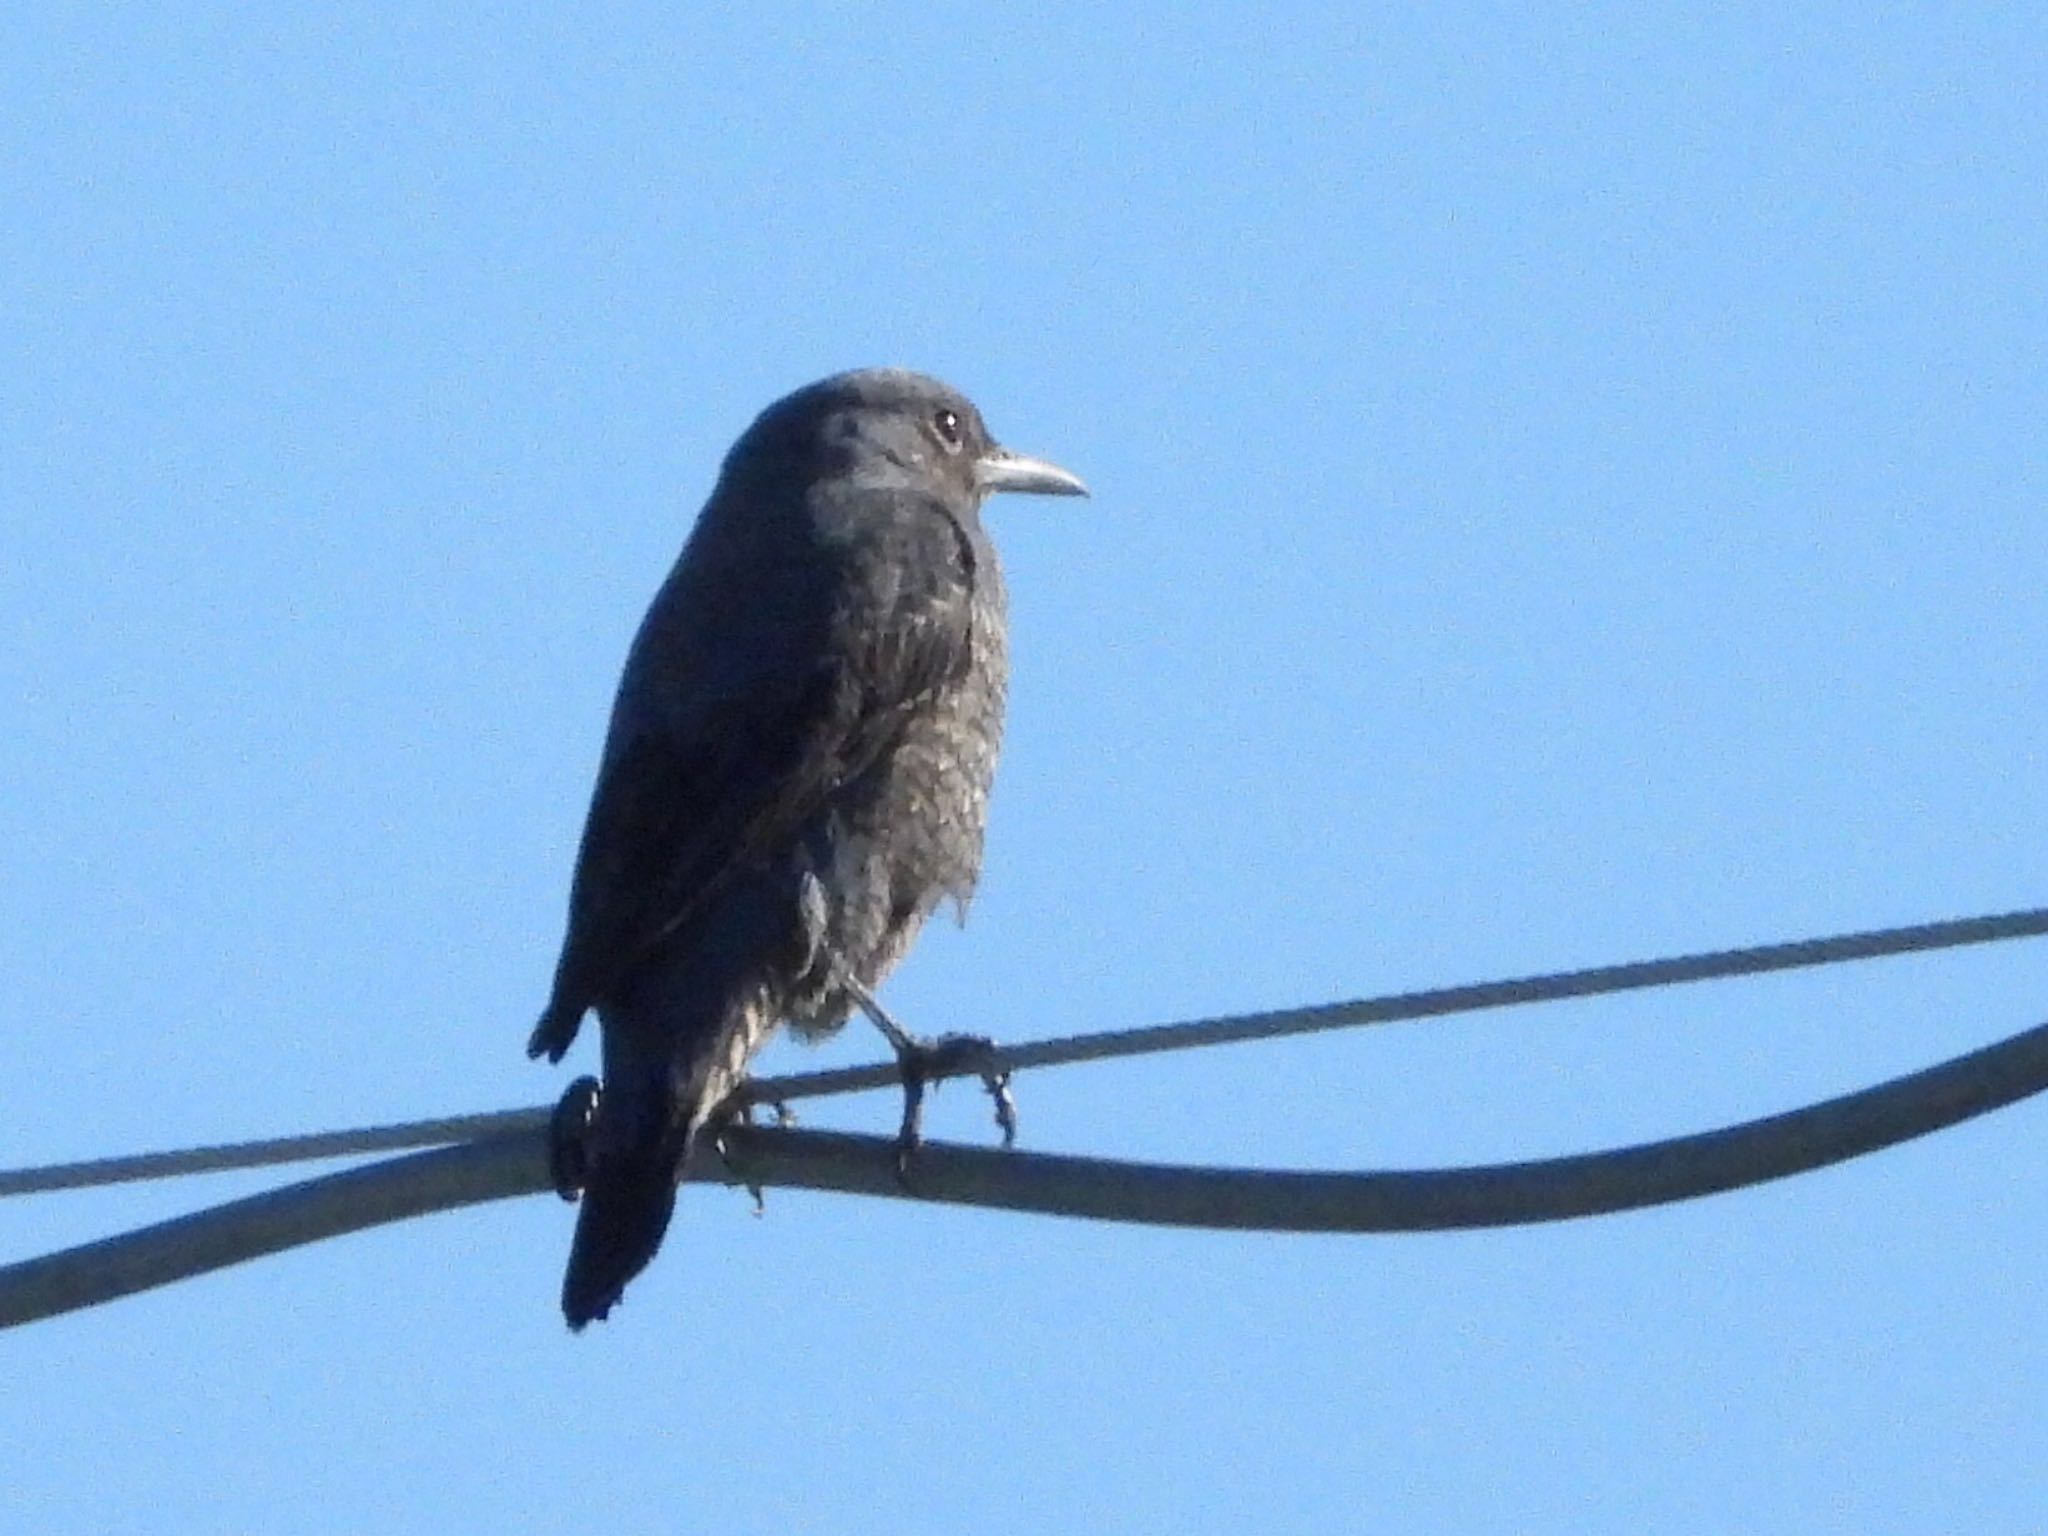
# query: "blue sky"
1568,487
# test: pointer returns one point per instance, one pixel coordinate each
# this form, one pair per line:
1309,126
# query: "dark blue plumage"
797,773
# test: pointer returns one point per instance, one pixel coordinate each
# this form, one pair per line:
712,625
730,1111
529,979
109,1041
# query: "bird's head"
890,428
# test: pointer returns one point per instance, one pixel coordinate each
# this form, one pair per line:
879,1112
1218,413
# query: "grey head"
888,428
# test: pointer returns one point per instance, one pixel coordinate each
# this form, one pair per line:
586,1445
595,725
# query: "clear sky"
1568,487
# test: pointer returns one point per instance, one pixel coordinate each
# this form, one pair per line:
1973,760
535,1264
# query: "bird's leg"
919,1061
924,1061
569,1137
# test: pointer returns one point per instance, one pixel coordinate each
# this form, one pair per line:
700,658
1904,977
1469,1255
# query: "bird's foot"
921,1061
924,1062
742,1114
569,1137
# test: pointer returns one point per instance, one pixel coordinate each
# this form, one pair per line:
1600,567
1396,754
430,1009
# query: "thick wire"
1228,1198
1551,987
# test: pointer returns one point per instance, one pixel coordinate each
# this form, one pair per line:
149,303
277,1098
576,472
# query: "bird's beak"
1001,470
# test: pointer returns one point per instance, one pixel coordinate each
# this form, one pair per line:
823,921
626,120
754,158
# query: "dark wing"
745,704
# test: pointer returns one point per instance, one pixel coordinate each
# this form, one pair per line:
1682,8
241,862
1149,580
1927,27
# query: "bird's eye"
947,425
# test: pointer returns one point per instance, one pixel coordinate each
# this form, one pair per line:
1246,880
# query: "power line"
228,1156
1553,986
1228,1029
1240,1199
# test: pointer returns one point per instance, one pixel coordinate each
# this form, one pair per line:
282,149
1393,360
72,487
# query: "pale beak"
1001,470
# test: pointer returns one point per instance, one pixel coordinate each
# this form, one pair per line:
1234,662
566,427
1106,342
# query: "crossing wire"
1228,1029
1230,1198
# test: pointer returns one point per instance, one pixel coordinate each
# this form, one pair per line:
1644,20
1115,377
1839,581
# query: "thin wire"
258,1154
1227,1029
1554,986
1444,1199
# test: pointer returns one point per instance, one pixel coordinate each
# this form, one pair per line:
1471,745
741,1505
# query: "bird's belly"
894,844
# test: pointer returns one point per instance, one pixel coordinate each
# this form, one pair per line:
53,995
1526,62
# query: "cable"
1228,1029
1554,986
1236,1199
258,1154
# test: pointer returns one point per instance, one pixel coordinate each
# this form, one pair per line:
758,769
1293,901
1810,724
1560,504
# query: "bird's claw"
998,1086
569,1137
743,1115
923,1062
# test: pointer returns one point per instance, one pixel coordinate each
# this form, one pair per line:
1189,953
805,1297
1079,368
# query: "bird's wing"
782,702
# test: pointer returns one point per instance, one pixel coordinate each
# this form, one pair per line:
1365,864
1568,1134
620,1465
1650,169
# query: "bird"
795,777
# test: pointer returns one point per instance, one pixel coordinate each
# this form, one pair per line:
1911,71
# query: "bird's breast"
928,803
905,832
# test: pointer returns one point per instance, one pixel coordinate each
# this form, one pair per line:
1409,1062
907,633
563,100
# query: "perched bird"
797,773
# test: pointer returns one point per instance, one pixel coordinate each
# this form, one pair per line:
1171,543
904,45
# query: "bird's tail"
646,1123
625,1211
635,1149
